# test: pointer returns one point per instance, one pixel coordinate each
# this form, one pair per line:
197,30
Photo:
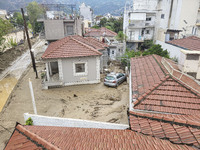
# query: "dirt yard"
91,102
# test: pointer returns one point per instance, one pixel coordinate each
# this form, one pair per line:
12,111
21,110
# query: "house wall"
54,29
186,62
93,70
174,51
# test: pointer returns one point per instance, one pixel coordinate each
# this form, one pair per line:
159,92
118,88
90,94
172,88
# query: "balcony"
135,39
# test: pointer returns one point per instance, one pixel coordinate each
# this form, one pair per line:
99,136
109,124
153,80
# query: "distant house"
74,60
107,36
187,52
58,25
3,14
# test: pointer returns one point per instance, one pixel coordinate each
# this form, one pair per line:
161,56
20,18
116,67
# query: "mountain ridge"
114,7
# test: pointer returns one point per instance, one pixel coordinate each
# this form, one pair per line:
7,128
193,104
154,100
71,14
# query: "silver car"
114,79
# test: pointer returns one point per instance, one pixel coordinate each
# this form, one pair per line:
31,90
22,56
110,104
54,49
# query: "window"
192,57
113,52
162,16
70,30
148,19
80,69
147,32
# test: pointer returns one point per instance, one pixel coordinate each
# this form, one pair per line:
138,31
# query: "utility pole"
29,44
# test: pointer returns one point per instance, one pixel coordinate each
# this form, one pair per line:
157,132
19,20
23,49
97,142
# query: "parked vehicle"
114,79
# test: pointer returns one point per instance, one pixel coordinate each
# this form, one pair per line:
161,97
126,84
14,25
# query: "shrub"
29,121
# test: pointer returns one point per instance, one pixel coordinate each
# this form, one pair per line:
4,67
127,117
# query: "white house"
70,62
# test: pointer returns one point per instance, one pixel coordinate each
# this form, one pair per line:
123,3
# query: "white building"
168,19
139,22
87,13
176,19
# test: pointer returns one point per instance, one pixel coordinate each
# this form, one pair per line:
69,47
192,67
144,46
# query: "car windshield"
110,78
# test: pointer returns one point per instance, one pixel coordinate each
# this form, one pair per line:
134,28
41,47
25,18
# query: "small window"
70,30
148,19
147,32
80,68
192,57
163,16
113,52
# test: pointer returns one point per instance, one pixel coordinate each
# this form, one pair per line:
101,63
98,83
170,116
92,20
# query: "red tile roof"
154,89
91,42
70,47
169,96
190,43
145,73
80,138
175,130
100,32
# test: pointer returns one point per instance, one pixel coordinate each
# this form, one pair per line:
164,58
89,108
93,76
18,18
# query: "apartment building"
161,20
139,23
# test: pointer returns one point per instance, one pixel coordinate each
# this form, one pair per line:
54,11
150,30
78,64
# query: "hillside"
100,7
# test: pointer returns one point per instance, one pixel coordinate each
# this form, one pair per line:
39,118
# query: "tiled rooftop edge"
166,119
35,138
180,78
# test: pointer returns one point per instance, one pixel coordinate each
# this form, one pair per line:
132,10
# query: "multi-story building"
58,25
88,16
168,20
139,23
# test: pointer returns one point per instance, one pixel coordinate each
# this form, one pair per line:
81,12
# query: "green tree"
5,28
34,11
121,36
103,22
156,49
146,45
95,27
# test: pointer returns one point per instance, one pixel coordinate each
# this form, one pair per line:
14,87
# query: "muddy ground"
91,102
11,54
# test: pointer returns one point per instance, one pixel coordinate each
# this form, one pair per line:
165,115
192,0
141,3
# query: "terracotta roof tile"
170,97
190,43
177,131
70,46
81,138
100,32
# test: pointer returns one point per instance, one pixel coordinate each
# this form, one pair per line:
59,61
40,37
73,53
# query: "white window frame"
82,73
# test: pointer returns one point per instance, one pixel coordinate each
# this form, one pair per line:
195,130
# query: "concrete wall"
173,50
92,70
54,29
39,120
189,13
145,4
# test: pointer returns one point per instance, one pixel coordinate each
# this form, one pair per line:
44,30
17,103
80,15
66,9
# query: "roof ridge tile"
167,119
36,138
